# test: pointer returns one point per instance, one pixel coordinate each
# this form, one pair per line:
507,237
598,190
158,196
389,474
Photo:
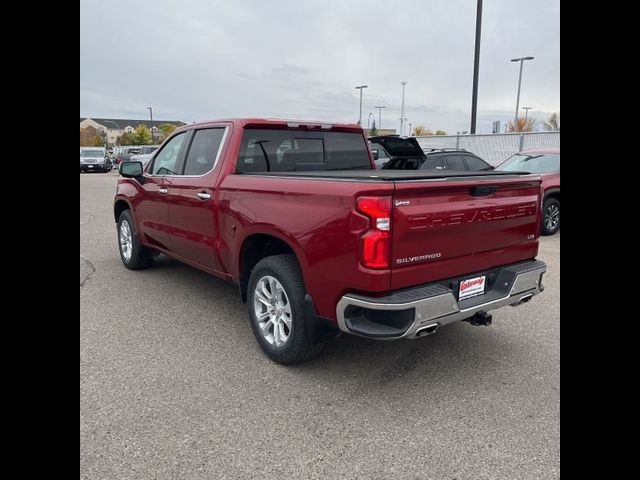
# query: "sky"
204,59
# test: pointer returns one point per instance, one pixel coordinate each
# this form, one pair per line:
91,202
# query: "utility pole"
379,116
402,119
360,87
521,60
151,115
476,67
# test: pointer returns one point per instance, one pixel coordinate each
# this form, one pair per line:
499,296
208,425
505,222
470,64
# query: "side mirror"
131,169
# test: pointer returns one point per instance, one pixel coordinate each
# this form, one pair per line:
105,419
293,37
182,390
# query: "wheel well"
119,207
554,194
254,249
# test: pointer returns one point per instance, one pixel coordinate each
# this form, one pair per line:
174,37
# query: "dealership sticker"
471,287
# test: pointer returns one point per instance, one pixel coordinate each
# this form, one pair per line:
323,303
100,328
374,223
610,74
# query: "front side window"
203,151
167,159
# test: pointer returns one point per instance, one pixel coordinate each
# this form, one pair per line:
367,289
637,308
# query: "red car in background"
546,163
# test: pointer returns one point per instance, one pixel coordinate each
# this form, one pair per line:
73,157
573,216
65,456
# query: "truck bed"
389,175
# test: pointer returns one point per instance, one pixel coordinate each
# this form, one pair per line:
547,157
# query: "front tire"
551,216
275,298
134,256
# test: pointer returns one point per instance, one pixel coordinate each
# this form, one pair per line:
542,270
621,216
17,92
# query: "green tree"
126,139
440,132
373,131
166,129
553,123
142,135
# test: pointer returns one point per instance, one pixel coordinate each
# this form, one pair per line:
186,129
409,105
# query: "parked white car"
142,157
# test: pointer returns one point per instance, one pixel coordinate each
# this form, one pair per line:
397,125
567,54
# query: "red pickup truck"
319,242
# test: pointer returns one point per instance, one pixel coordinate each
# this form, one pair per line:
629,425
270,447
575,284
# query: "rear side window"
293,150
454,162
203,151
428,164
475,164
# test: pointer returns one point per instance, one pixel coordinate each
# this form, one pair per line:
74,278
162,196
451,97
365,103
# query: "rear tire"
134,256
550,216
275,299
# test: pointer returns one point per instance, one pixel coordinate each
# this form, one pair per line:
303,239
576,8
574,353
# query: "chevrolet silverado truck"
319,242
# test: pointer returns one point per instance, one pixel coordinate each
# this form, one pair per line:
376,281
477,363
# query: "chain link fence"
495,148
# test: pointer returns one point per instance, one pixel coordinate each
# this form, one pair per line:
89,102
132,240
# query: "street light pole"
476,67
402,119
380,116
521,60
360,87
151,115
526,111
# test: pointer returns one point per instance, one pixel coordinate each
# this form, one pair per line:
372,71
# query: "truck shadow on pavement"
456,353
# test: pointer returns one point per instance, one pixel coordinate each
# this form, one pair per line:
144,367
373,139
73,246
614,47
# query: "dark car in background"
546,163
392,152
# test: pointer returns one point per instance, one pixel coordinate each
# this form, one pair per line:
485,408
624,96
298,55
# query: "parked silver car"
94,159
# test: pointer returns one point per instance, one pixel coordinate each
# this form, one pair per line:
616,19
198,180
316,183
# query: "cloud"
282,58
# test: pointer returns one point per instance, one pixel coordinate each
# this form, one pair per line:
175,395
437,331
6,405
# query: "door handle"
163,190
204,195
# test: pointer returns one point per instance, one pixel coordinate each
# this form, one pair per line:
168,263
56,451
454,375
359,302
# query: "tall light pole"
476,67
151,115
521,60
402,119
360,87
409,128
526,111
380,116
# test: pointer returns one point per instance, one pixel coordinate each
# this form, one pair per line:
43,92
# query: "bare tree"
553,123
420,130
523,125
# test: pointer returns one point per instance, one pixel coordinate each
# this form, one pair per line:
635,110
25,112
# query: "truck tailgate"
443,229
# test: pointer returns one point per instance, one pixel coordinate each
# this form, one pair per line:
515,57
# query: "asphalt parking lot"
174,386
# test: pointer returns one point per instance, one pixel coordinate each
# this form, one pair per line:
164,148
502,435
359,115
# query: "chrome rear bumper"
402,314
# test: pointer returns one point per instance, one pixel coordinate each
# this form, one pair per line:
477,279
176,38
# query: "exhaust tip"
428,330
523,299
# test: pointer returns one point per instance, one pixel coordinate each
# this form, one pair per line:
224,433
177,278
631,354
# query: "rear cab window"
273,150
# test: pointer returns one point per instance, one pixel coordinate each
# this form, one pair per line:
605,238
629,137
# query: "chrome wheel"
272,311
552,217
126,241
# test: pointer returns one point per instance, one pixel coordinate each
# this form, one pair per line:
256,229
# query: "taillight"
375,242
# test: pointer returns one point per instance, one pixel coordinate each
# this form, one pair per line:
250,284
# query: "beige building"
114,127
